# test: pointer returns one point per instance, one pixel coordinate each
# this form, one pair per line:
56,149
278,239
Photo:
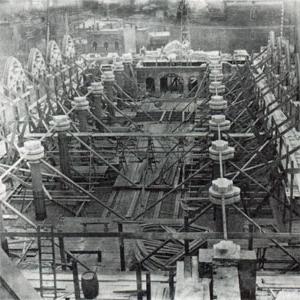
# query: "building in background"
108,35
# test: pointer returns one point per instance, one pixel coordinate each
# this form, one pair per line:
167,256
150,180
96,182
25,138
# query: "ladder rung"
47,267
48,287
47,259
49,272
50,296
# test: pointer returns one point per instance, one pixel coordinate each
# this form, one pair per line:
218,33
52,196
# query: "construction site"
142,163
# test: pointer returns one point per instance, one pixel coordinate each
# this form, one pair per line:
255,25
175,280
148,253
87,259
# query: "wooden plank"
144,196
278,281
14,280
171,176
133,204
134,172
178,194
177,205
189,286
118,278
71,221
290,295
9,217
139,172
179,279
125,201
162,116
226,283
109,203
158,206
113,287
140,135
198,236
195,268
277,214
142,186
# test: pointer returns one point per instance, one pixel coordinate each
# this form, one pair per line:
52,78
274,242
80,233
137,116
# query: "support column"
64,158
61,125
216,174
230,265
171,285
129,79
226,255
62,253
122,249
148,286
108,79
97,91
222,193
97,94
219,149
139,282
81,106
119,74
76,280
217,104
33,152
157,87
218,218
4,243
185,86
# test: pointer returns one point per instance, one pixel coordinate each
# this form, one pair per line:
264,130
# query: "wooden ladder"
47,264
192,187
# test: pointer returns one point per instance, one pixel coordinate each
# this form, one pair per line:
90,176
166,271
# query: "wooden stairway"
47,264
194,188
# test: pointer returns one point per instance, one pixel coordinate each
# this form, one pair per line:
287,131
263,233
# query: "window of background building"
117,47
94,45
253,13
105,46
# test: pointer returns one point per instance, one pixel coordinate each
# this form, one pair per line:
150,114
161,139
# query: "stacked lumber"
167,256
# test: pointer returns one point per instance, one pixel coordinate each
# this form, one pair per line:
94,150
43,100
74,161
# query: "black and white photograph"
149,149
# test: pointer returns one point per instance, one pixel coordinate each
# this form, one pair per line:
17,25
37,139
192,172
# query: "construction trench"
162,188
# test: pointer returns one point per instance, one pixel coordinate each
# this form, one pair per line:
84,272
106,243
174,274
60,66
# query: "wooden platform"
112,286
189,286
272,285
130,201
226,283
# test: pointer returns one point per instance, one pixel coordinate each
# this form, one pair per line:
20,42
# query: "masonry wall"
228,39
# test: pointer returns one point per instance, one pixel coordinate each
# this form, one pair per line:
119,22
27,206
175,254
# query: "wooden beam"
23,217
14,281
282,236
138,135
80,188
